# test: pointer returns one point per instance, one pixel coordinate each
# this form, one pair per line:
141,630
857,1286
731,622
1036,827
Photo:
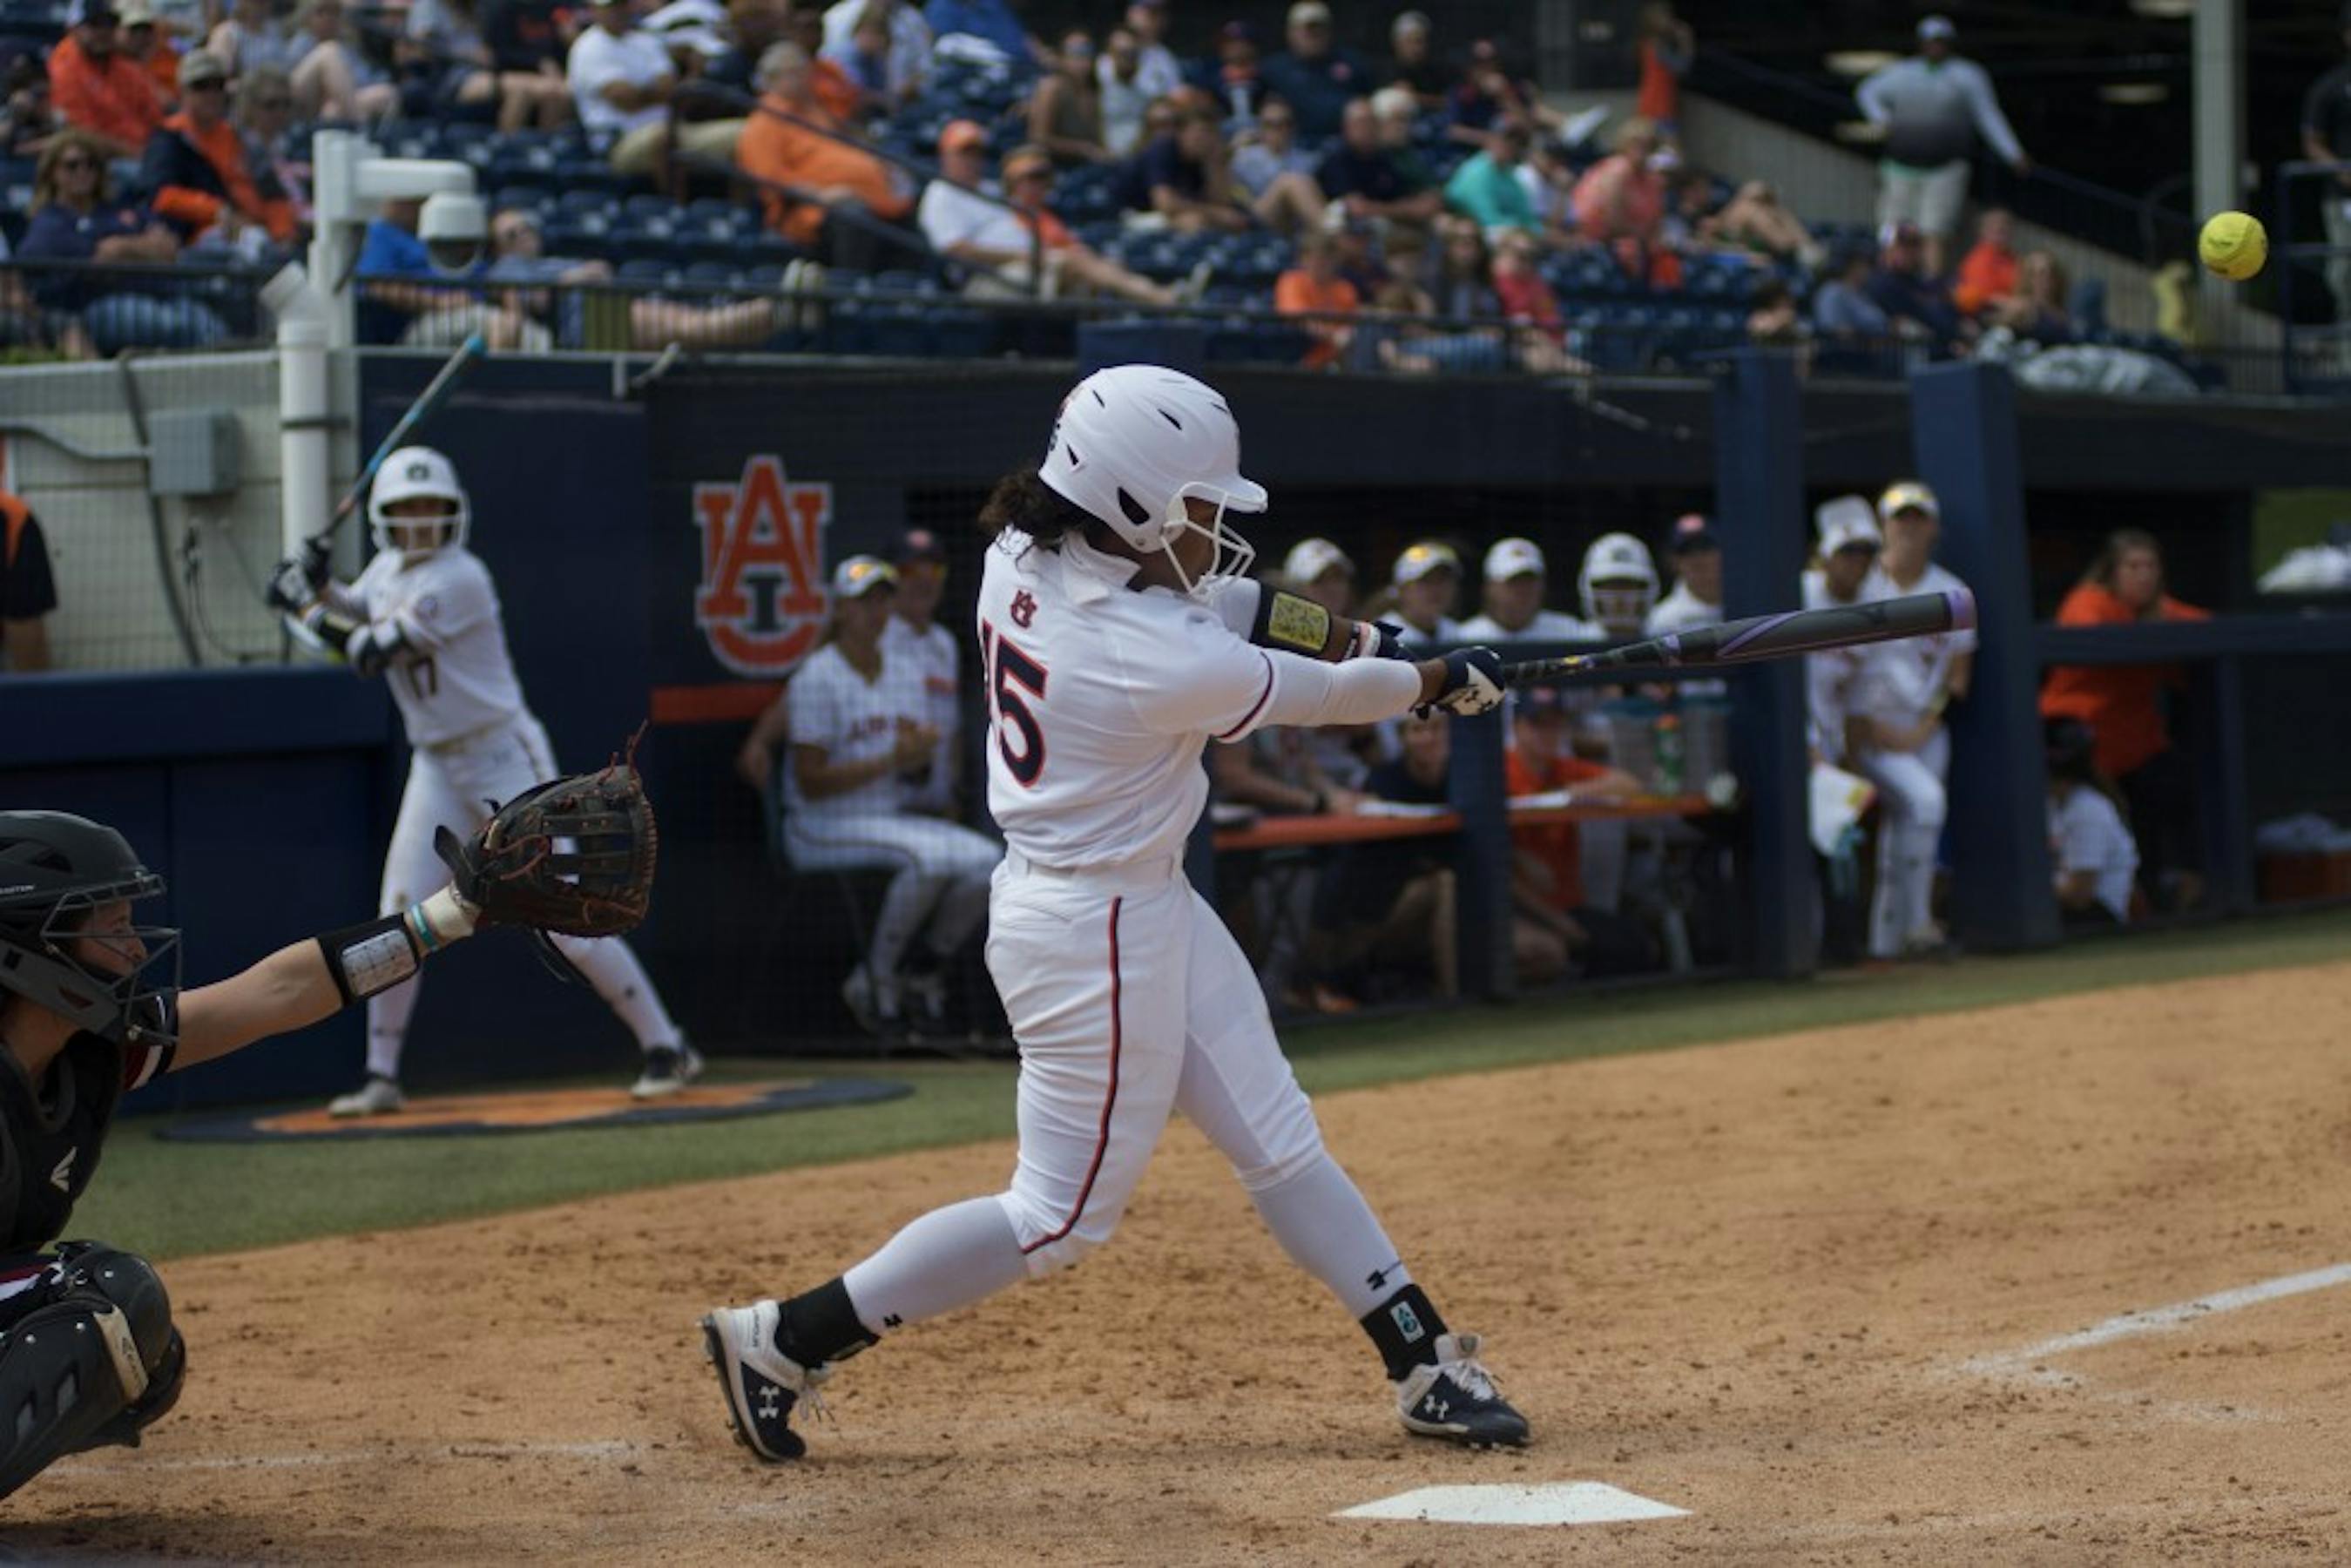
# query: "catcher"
90,1007
424,615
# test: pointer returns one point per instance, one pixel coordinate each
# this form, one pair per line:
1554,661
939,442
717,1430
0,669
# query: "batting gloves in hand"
1473,682
290,587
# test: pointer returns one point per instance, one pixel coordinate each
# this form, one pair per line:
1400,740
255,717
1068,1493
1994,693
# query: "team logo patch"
1024,609
1408,1322
761,602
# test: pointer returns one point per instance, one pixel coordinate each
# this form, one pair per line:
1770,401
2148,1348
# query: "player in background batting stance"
424,615
1119,636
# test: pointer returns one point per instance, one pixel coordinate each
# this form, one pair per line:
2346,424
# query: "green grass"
172,1199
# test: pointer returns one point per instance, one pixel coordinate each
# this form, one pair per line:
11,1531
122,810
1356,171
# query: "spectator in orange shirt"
1988,273
196,165
1666,48
822,189
2123,704
1553,926
98,87
1313,287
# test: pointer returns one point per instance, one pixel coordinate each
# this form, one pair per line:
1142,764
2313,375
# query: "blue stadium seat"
653,272
647,205
713,274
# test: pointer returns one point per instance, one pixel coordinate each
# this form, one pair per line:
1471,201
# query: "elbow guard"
371,647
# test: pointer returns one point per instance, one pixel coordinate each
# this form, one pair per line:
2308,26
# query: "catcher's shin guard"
92,1361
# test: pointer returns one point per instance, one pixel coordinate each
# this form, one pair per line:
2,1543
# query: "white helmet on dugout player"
408,474
1133,442
1619,584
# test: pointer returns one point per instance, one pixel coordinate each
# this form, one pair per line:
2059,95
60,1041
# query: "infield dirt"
1743,1280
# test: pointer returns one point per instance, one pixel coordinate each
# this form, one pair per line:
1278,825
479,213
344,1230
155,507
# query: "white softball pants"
452,785
942,870
1910,791
1130,1000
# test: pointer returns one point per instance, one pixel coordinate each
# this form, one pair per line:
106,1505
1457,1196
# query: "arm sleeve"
1985,105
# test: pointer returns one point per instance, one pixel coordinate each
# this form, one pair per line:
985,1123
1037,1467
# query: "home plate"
1556,1502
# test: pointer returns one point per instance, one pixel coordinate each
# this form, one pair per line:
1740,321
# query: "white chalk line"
2154,1320
608,1449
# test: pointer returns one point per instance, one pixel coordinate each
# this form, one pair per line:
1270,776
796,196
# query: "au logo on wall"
761,603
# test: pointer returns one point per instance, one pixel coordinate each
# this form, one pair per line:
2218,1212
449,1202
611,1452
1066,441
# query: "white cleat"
376,1097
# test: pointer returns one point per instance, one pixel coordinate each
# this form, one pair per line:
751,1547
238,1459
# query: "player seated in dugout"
1555,928
1385,913
2093,857
864,744
91,1008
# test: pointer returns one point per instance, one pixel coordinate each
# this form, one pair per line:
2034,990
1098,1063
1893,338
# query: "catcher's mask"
56,872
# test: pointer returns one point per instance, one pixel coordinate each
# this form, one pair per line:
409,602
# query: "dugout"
653,543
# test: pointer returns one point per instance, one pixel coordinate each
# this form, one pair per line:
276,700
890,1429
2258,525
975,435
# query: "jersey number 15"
1009,673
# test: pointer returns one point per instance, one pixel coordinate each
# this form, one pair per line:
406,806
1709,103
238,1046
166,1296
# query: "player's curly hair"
1023,500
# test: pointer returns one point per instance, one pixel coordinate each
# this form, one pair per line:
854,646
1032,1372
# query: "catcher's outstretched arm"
299,985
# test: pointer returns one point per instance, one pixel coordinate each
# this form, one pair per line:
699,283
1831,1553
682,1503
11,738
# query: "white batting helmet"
1133,442
1618,583
411,472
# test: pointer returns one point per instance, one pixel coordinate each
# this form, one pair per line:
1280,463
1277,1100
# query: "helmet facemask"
1622,607
125,1006
1234,554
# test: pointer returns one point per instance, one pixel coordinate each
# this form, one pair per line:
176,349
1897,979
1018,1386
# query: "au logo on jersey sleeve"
761,602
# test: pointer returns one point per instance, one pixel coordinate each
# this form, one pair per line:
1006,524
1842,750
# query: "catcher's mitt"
573,856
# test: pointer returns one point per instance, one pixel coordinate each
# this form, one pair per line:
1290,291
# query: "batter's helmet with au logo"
407,474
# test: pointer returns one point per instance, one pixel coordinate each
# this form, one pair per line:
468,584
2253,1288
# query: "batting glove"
1473,682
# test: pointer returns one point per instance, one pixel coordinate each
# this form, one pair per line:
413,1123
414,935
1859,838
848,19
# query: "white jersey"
452,676
1681,610
2086,833
1547,626
853,720
1833,680
930,655
1908,673
1100,699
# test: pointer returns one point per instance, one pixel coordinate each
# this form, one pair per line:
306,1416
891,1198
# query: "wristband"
1294,624
370,957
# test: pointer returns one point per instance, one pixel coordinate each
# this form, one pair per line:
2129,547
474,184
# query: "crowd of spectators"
1161,168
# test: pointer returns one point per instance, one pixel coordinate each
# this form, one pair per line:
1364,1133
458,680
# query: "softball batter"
424,615
1118,637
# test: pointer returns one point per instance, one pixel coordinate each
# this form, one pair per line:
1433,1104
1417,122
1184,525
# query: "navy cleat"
1455,1398
762,1383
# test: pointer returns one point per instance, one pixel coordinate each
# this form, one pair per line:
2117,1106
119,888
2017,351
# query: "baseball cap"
958,134
1692,531
138,14
1846,522
1309,558
1429,555
1514,557
1907,494
1408,21
919,544
1310,13
200,66
1022,160
860,575
91,12
1935,26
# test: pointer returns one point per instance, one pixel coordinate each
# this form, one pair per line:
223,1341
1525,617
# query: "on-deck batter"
426,619
1117,638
